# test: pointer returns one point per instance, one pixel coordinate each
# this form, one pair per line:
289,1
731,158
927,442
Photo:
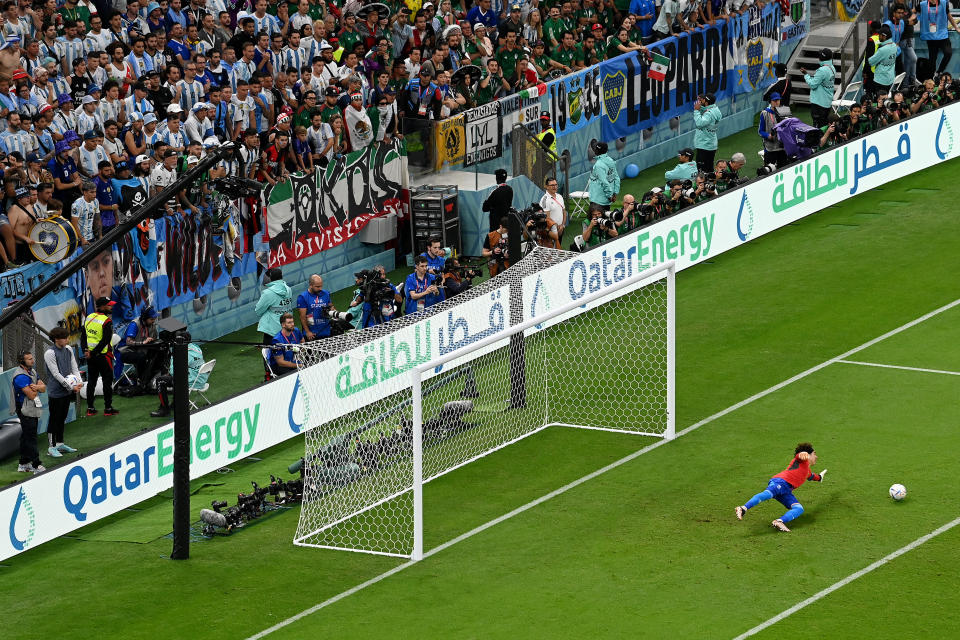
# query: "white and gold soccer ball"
898,492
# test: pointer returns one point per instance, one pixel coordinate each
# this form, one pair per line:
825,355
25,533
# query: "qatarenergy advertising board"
90,488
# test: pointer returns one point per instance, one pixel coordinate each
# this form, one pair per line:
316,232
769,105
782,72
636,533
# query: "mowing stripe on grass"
894,366
853,576
609,467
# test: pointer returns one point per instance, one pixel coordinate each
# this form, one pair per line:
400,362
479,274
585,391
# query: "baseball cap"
45,108
332,91
198,106
325,45
686,151
90,135
596,26
210,142
426,4
21,192
122,166
142,158
94,89
169,153
479,25
515,7
20,74
192,160
174,108
775,96
33,157
105,302
149,312
88,100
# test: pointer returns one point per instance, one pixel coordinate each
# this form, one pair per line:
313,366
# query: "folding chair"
898,81
848,98
578,204
125,376
207,368
265,352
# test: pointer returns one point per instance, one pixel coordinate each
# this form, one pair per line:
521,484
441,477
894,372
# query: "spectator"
706,118
63,383
27,388
604,181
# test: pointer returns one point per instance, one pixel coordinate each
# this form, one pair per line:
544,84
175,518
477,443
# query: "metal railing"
534,160
24,334
855,43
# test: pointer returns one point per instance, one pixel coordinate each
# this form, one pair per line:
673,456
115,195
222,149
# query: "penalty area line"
598,472
896,366
842,583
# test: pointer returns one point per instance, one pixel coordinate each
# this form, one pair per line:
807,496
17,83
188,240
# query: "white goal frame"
665,270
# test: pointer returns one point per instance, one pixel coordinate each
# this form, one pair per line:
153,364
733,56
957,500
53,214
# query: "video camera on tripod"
378,292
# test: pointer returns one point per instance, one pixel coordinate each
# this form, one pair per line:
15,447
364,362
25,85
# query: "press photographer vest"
876,45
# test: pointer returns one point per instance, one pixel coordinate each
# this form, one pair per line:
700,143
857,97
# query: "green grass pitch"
649,549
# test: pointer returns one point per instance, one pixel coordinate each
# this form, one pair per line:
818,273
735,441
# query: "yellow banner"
450,142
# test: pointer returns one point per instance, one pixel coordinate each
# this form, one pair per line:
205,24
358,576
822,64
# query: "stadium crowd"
114,99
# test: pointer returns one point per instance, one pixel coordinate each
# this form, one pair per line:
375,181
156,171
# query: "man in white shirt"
556,210
164,175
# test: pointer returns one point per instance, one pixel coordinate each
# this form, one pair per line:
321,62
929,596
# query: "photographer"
384,301
194,379
631,214
421,288
600,228
456,278
681,196
495,248
313,306
653,205
856,123
834,133
283,360
435,255
928,100
705,187
538,227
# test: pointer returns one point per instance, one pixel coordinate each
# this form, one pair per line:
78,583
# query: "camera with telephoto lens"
767,169
610,219
339,316
376,291
534,215
462,272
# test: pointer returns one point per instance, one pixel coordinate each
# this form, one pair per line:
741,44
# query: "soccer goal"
604,361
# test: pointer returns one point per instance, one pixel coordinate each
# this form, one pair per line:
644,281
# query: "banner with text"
484,130
700,62
449,141
576,100
796,24
755,37
309,213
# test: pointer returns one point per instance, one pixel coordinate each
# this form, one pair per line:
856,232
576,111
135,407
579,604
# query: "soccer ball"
72,380
898,492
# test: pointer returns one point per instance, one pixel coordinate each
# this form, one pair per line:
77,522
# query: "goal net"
604,361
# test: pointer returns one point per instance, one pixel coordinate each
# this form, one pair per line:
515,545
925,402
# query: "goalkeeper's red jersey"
798,472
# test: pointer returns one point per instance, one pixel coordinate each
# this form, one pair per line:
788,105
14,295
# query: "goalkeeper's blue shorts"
783,492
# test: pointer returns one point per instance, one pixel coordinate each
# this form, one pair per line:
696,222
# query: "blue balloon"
631,171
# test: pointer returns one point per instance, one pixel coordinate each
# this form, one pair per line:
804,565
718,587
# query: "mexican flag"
535,91
658,67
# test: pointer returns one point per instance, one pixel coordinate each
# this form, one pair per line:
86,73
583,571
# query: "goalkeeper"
783,484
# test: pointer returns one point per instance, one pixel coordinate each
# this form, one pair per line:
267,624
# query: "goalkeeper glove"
822,474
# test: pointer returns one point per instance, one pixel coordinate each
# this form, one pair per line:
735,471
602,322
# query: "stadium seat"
207,368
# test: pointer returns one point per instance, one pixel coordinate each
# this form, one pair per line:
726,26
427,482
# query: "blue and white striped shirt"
91,159
85,212
68,51
190,94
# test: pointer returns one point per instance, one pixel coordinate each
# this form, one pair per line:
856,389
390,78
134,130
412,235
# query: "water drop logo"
22,517
944,132
294,425
745,218
538,292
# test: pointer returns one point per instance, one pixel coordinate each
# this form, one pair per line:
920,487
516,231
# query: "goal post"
603,361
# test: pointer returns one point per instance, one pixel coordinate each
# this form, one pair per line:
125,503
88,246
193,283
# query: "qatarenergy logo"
23,522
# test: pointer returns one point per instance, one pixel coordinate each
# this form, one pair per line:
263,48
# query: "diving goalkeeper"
783,484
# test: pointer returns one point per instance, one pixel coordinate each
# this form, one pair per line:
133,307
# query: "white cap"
174,108
210,142
142,158
88,100
192,159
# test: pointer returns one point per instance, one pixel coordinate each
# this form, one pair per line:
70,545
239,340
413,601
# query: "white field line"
591,476
853,576
894,366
